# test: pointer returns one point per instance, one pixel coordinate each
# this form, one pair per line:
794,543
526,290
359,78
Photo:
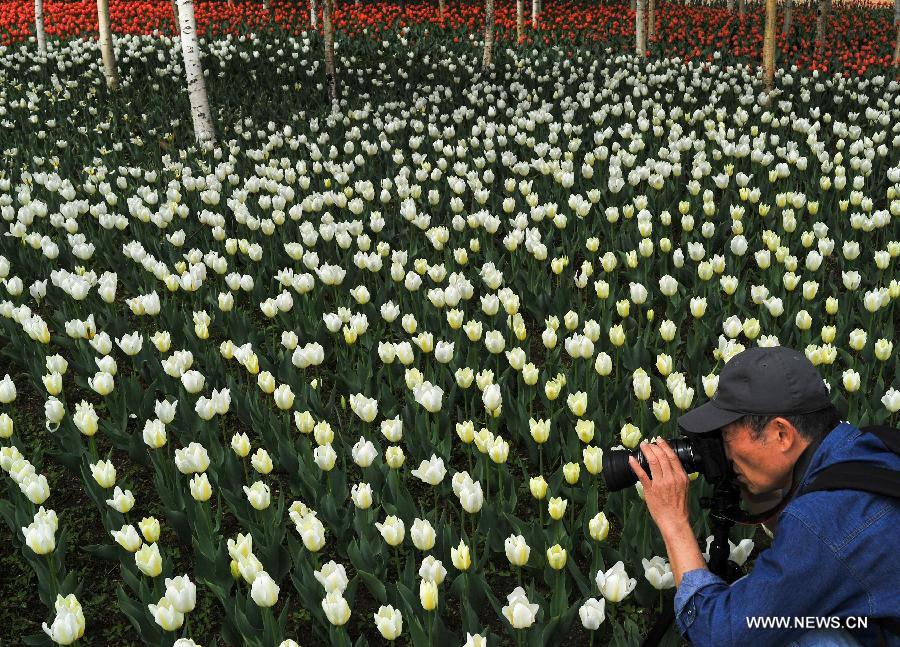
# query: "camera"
703,453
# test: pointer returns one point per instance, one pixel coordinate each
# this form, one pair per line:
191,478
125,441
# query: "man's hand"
666,493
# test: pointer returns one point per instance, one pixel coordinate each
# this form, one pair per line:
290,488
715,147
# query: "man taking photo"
835,554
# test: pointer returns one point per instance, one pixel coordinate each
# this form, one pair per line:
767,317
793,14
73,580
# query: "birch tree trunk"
730,5
193,71
313,19
520,20
534,13
488,35
822,25
175,17
897,24
640,44
651,21
897,47
742,7
769,45
39,26
330,76
106,46
788,18
442,7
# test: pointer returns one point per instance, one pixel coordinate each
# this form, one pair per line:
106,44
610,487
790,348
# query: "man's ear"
786,435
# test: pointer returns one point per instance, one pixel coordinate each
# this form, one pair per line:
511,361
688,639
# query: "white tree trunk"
788,18
486,61
193,70
822,25
769,45
39,26
742,7
730,5
442,6
640,45
107,52
897,47
897,24
534,13
330,76
313,19
175,16
520,20
651,21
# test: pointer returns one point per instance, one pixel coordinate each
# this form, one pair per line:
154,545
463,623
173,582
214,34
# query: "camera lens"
618,473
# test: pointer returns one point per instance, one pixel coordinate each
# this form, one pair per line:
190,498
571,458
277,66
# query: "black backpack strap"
888,435
857,475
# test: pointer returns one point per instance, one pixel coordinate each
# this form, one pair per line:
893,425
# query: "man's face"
760,465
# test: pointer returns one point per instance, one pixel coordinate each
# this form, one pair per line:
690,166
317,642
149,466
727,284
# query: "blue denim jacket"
835,553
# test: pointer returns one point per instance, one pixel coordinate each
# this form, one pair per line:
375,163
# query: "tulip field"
345,373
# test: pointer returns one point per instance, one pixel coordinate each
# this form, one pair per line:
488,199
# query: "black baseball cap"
760,381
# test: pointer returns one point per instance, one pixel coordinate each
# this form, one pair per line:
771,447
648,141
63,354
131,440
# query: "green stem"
435,491
54,587
474,541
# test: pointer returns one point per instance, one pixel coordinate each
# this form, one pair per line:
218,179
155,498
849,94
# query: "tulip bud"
394,457
422,534
593,459
264,590
599,527
517,550
165,615
104,473
428,595
883,349
540,430
661,410
538,487
858,339
630,435
891,400
392,530
571,472
603,364
148,560
6,426
461,557
592,613
389,622
615,584
556,557
127,538
585,430
557,507
851,380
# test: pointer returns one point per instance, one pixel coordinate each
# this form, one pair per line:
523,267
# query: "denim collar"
801,473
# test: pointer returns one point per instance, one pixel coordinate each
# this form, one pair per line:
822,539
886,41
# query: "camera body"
703,453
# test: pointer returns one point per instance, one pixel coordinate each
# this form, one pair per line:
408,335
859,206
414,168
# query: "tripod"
724,512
